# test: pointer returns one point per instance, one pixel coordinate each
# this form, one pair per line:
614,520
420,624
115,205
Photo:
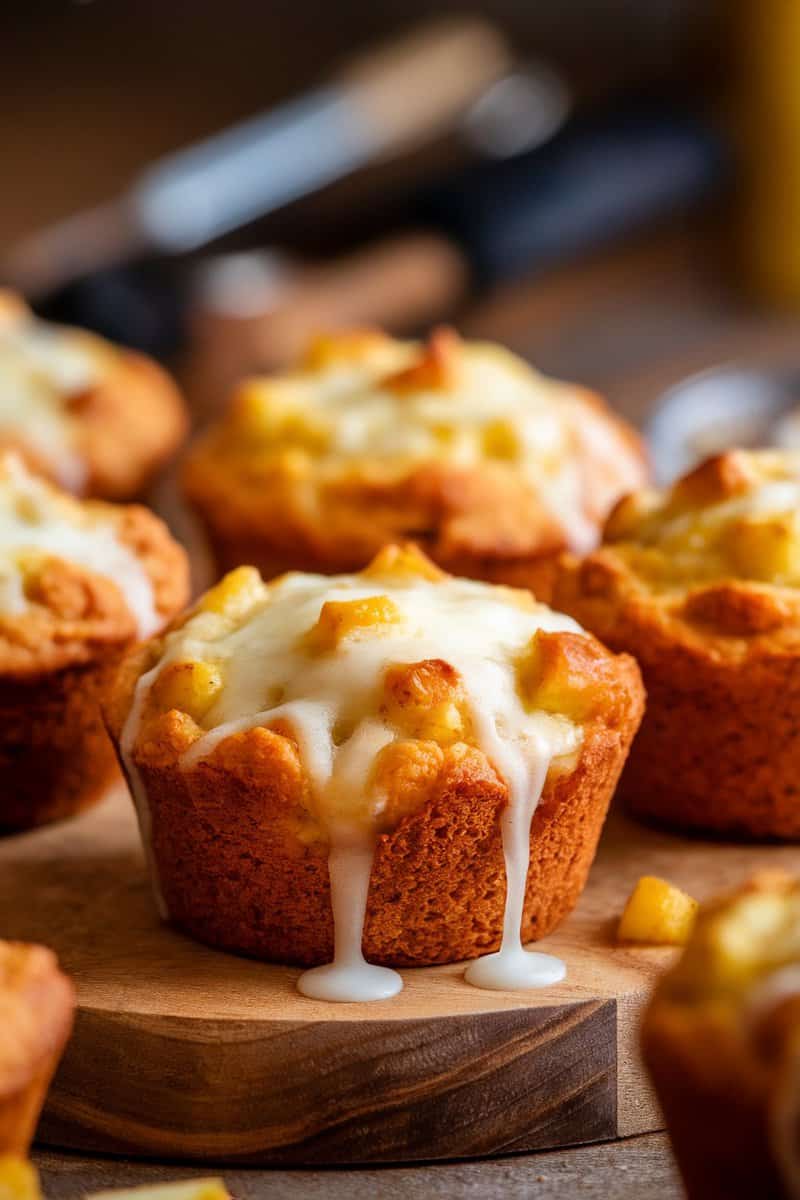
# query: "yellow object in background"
657,913
18,1179
188,1189
767,107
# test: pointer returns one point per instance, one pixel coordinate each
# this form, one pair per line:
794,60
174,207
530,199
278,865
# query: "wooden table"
626,1170
629,322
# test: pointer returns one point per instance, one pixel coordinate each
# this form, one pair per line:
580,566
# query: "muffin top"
715,557
36,1005
43,368
92,416
77,575
736,516
373,678
364,407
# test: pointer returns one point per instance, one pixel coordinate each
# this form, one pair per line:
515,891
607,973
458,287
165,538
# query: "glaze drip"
480,631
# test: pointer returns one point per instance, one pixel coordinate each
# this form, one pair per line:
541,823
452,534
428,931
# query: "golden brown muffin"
700,584
388,725
80,581
36,1010
95,418
460,446
721,1038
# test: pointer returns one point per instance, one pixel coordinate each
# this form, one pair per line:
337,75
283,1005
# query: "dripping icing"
318,690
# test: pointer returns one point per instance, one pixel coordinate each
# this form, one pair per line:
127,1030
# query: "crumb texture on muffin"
721,1038
359,704
459,445
95,418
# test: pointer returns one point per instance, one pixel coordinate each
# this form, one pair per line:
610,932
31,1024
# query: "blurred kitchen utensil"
596,180
725,406
393,99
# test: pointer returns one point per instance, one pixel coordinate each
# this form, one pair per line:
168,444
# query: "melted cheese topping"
41,367
37,521
402,404
698,532
277,667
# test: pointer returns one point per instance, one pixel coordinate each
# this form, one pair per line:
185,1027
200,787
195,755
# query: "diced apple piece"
426,700
348,346
500,440
568,674
235,594
342,619
18,1179
765,548
190,687
658,914
189,1189
401,563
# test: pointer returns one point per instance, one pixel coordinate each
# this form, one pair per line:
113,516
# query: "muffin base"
437,891
716,1100
55,755
719,744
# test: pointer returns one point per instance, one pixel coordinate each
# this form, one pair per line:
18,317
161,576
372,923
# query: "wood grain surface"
181,1051
627,1170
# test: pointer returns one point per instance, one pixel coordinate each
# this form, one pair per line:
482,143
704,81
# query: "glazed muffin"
702,584
95,418
36,1010
80,581
318,755
721,1038
459,446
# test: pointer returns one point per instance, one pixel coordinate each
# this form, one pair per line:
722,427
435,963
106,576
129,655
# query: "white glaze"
42,365
35,518
772,990
512,966
474,627
549,426
349,977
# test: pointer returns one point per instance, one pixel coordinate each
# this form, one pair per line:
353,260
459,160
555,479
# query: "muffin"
80,581
462,447
317,757
701,584
36,1010
95,418
721,1038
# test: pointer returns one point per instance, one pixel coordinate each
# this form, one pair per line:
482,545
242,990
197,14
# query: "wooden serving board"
183,1052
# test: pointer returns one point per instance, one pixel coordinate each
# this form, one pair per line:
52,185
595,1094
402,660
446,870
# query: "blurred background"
612,187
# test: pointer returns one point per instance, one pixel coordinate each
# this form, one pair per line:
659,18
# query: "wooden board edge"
318,1093
638,1110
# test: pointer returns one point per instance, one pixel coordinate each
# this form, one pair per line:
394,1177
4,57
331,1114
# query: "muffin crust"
241,832
36,1012
460,446
97,419
701,585
721,1038
63,628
